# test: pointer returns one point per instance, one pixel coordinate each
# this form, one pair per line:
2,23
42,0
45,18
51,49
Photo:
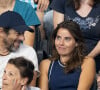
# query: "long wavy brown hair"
76,3
77,55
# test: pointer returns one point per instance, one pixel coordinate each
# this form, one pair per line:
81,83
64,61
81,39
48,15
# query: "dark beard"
14,47
7,45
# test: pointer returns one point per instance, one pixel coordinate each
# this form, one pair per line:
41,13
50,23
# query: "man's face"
18,41
10,39
14,39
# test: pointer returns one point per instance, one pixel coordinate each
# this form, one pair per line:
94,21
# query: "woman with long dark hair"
68,68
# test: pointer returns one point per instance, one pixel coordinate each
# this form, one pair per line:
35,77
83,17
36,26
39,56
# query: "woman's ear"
24,81
76,44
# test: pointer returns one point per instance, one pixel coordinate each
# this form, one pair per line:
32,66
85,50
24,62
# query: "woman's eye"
4,71
10,74
58,37
67,38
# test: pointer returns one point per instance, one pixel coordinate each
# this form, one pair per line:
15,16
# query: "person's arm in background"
95,51
40,15
87,75
43,80
42,5
29,37
57,18
58,7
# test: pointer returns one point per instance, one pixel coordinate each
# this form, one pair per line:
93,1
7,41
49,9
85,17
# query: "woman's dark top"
59,80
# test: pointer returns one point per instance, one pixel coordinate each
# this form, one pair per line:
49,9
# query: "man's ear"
24,81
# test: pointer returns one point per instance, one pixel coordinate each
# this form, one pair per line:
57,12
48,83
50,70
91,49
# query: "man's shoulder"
25,50
25,47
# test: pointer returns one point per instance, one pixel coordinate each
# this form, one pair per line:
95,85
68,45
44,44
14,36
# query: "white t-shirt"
24,51
29,53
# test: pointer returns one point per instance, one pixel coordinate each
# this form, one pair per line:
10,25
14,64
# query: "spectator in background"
72,69
28,14
12,27
18,74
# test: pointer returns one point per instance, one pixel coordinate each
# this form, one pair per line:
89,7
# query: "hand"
42,4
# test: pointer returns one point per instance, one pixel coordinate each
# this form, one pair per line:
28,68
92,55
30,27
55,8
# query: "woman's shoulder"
45,61
88,62
44,64
88,74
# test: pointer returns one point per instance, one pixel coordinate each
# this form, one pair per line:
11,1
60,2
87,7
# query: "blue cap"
13,20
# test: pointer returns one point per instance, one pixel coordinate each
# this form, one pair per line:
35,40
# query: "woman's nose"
61,42
4,76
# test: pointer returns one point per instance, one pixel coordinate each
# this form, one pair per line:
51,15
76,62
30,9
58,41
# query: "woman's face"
11,77
64,42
